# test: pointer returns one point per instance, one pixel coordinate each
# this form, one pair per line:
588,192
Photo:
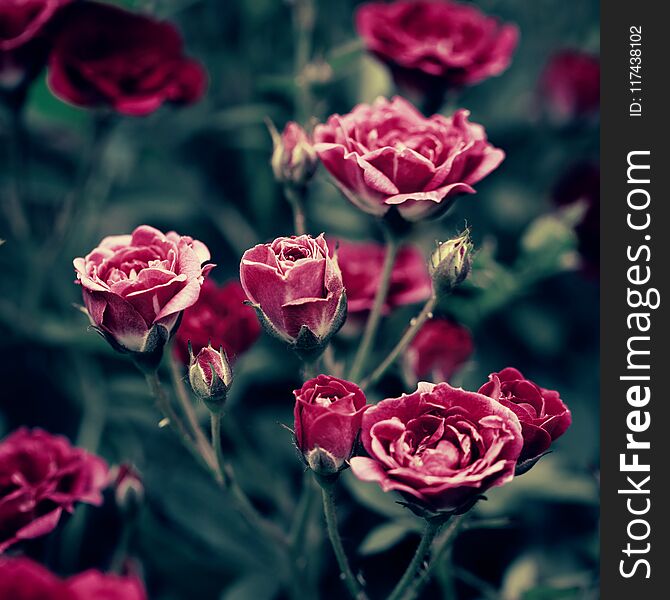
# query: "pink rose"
387,155
436,44
136,286
361,265
542,414
440,447
210,377
294,160
296,287
440,349
42,475
24,579
220,317
107,56
328,413
570,84
24,39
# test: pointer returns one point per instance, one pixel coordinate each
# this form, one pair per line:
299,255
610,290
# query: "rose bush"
23,579
361,265
41,476
436,44
220,317
296,287
327,420
92,64
388,155
542,414
136,286
440,446
439,350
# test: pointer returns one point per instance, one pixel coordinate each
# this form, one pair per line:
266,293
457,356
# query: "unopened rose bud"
294,160
128,488
451,262
210,377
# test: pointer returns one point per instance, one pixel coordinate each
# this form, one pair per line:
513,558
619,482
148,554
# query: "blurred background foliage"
204,171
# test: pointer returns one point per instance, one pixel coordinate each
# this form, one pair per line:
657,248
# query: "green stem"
405,586
186,404
346,574
304,15
298,541
415,325
375,316
443,545
295,196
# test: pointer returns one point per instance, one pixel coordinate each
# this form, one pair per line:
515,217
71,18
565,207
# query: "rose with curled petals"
388,155
296,287
136,286
542,414
42,476
440,447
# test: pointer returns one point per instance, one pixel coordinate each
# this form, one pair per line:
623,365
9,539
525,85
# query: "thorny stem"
375,316
414,328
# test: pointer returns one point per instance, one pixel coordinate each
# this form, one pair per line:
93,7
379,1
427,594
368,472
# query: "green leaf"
385,536
252,587
374,498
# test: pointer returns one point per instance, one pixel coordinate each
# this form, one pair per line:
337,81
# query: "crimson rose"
24,43
328,413
388,154
570,84
42,475
136,286
542,414
295,285
440,349
220,317
361,265
440,446
107,56
436,44
23,579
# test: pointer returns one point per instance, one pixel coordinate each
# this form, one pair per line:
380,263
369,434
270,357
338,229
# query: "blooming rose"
296,287
570,84
23,579
220,317
440,446
293,157
436,44
107,56
542,414
24,43
361,265
136,286
440,349
388,154
328,413
42,475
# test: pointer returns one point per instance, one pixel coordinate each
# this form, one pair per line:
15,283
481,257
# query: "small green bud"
210,376
451,262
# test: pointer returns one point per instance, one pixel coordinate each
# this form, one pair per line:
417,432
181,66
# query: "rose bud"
210,377
328,413
219,317
361,266
570,85
432,46
42,476
542,414
136,286
388,155
24,579
451,263
296,287
438,351
25,39
440,447
128,488
134,73
294,160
